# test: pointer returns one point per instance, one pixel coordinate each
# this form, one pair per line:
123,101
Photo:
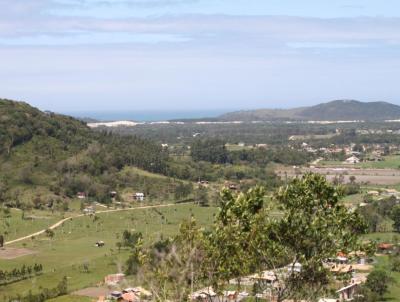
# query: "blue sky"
82,55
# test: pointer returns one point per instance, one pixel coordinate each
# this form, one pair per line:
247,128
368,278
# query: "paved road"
59,223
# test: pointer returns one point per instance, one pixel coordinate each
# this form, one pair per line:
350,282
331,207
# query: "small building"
113,194
81,195
138,291
130,297
204,295
352,160
385,247
89,210
139,196
232,187
373,193
114,279
342,269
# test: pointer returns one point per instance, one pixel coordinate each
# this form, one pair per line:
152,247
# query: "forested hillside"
56,156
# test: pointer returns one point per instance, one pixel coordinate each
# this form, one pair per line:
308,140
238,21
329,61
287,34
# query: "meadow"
72,252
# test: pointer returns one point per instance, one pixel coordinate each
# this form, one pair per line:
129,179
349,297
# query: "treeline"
249,133
44,294
15,275
382,215
214,151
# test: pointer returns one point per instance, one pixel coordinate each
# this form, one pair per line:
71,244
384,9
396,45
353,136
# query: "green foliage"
45,294
18,274
130,239
378,282
63,156
395,215
378,214
210,150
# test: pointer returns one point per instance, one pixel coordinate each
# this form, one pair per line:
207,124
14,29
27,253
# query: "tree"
202,196
211,150
62,286
378,282
314,227
171,266
1,240
395,216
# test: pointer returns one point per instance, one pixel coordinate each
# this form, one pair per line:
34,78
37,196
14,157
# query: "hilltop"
339,110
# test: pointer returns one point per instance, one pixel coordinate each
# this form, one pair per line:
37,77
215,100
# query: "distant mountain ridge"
338,110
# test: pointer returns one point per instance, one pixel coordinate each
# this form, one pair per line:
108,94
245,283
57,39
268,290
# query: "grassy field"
389,162
14,225
71,299
73,246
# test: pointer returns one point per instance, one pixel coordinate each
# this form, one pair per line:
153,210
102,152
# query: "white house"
352,160
139,196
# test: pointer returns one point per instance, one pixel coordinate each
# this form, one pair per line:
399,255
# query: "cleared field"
389,162
12,253
367,176
71,298
74,245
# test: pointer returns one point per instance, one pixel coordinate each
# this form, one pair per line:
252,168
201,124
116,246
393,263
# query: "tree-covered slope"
45,154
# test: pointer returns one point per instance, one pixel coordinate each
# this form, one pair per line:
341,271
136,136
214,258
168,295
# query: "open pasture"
72,251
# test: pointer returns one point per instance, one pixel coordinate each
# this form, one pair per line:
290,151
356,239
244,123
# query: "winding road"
59,223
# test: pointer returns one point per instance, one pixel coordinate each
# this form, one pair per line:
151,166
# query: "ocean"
146,116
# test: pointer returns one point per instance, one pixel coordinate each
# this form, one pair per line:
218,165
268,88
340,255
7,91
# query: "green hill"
339,110
46,158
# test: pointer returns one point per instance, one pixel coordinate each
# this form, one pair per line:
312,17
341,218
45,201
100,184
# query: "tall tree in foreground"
246,239
315,226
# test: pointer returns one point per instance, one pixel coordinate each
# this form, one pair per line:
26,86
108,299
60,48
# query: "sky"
127,55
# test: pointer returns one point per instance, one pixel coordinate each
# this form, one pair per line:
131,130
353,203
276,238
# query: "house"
113,194
138,291
114,279
89,210
230,295
341,269
266,277
390,192
352,160
294,267
129,297
385,247
341,258
81,195
373,193
205,294
139,196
